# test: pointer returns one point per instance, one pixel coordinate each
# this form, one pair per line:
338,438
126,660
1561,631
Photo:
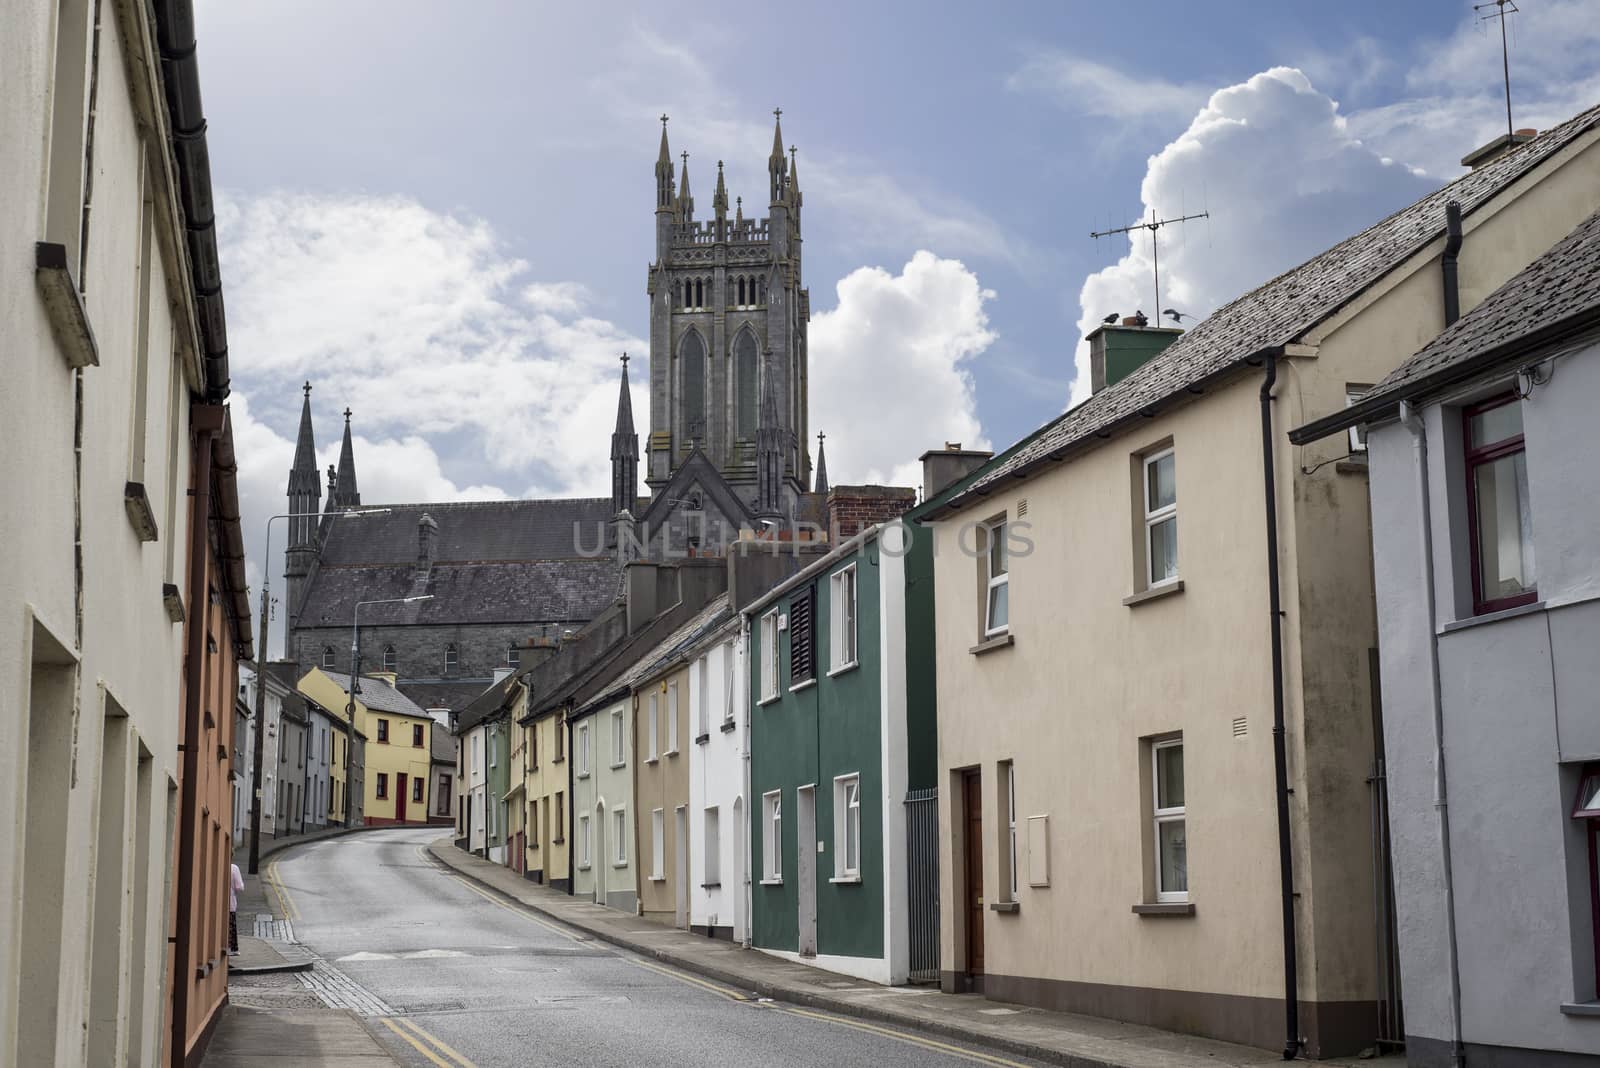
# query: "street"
447,973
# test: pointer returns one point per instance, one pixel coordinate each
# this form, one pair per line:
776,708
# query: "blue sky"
442,215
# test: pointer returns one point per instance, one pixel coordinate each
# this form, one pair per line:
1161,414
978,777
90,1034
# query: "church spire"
305,485
794,178
348,495
664,172
719,200
685,198
624,451
775,163
822,465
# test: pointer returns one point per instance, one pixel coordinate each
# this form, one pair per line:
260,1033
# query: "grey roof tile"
569,590
378,695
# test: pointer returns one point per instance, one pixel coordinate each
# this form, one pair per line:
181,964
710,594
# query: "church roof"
472,532
495,591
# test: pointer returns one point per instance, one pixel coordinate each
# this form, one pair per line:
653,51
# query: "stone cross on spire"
822,466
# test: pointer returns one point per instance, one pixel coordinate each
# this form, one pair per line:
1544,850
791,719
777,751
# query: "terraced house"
1157,645
399,749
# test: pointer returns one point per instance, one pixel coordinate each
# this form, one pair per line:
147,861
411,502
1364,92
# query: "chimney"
641,586
852,509
427,541
942,468
1498,147
1116,351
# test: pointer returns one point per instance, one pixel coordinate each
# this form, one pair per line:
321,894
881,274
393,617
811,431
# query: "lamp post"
261,671
350,692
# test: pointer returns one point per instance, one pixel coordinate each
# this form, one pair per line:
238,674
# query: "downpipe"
1280,758
1412,421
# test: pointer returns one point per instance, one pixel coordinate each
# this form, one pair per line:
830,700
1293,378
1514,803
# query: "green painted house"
843,760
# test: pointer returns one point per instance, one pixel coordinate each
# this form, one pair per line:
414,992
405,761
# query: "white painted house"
717,781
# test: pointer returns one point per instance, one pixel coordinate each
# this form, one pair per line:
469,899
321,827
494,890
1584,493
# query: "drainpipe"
572,809
1280,760
741,677
1447,263
206,419
1412,421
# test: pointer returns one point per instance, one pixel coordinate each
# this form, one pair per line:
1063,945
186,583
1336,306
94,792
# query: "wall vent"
1240,727
1022,507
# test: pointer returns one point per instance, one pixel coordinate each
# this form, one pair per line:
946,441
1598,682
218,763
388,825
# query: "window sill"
1165,908
846,879
727,725
842,668
583,774
1492,617
558,841
701,739
1010,907
1352,467
989,645
804,685
711,886
619,764
140,515
671,752
772,882
1580,1008
648,760
658,878
1154,593
619,864
69,320
583,867
766,700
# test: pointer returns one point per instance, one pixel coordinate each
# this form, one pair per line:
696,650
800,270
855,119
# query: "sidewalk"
1057,1038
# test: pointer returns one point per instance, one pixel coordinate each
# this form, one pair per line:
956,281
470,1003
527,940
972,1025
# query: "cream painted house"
1114,796
398,755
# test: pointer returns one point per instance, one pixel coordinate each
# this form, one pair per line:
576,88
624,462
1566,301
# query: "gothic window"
745,374
327,656
389,658
699,293
694,387
452,659
761,297
742,295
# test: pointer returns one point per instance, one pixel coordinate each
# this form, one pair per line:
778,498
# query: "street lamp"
261,669
350,691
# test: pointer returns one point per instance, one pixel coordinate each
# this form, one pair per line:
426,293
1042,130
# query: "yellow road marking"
438,1043
515,910
715,988
286,903
418,1046
915,1040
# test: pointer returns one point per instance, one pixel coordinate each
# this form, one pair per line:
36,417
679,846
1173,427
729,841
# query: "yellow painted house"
399,743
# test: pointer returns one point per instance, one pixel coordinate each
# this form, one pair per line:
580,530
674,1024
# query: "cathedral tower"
305,495
728,312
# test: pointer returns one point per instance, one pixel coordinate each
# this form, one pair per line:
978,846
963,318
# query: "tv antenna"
1502,8
1152,225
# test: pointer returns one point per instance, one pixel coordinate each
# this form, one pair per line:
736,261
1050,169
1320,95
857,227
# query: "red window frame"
1591,819
383,785
1475,458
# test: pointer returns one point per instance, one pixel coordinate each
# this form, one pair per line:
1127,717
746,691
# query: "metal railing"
922,883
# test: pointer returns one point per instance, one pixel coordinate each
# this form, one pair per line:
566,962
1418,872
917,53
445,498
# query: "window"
383,732
513,656
1498,509
713,850
1008,861
491,743
583,749
842,619
416,735
745,384
327,656
583,841
1586,807
1171,844
658,844
769,655
389,658
772,837
727,683
619,824
847,828
533,745
452,659
618,749
997,579
693,353
383,785
533,824
652,711
802,647
443,805
417,785
1160,518
1358,433
672,717
559,732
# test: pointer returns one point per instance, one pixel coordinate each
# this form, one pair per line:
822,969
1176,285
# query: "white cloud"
891,367
1284,179
1091,88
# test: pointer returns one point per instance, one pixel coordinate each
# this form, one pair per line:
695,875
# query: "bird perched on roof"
1108,320
1177,316
1139,318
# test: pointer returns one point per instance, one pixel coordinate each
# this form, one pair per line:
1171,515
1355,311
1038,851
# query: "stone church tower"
728,351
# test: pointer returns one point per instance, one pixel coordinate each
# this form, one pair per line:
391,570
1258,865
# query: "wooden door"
972,790
400,797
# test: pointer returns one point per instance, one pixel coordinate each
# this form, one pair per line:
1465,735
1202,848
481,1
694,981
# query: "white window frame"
702,698
619,744
995,528
846,818
1160,816
583,750
652,711
769,656
712,853
772,837
727,682
1358,433
584,843
843,618
452,659
672,720
658,844
1011,860
619,821
1153,518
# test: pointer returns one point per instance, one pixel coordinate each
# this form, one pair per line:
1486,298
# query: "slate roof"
675,647
378,695
470,531
1273,314
1554,298
486,705
566,590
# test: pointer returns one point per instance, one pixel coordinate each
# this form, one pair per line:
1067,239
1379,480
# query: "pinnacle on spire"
349,494
777,134
305,447
738,210
305,484
625,402
685,198
664,196
794,177
719,199
666,153
775,164
624,451
822,465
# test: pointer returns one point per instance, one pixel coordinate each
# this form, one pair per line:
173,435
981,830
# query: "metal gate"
922,883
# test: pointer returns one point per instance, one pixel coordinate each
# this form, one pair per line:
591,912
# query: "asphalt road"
451,976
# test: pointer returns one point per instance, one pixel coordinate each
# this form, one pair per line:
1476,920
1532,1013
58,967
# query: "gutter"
1280,762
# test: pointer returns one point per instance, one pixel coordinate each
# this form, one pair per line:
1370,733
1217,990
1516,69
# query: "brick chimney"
1117,350
1497,148
852,509
944,467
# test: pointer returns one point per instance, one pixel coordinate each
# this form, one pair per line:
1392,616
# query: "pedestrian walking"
235,884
